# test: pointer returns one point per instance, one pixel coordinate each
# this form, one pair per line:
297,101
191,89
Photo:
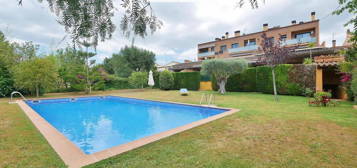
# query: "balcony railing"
205,54
299,41
241,49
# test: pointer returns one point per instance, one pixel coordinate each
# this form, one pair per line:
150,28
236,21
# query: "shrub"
290,80
354,83
243,82
205,77
264,79
166,80
308,92
156,75
321,99
115,82
189,80
138,79
308,61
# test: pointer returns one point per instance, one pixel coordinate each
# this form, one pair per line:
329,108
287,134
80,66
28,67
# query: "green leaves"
138,79
222,69
91,20
35,74
131,59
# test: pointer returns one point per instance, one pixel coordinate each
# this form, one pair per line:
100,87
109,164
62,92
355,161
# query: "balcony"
242,49
299,41
205,54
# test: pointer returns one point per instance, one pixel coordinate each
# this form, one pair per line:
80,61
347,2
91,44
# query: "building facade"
300,34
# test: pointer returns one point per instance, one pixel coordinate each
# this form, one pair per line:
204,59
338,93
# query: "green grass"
21,145
264,133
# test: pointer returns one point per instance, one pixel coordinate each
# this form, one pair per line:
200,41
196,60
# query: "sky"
185,24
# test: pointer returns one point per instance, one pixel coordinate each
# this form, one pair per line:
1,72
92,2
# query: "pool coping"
74,157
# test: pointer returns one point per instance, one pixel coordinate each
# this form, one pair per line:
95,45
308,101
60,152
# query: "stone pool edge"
74,157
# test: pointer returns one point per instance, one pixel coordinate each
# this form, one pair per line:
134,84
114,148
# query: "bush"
115,82
156,75
243,82
354,83
308,92
6,82
138,79
322,99
264,79
290,80
166,80
189,80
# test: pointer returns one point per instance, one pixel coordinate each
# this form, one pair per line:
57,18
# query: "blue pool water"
97,123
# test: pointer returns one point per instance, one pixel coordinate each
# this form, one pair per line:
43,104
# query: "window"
303,35
223,48
271,40
283,37
250,42
235,45
212,49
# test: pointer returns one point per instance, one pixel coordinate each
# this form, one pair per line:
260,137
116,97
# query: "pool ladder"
16,92
208,98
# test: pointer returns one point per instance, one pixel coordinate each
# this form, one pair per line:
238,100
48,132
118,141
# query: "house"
302,36
167,66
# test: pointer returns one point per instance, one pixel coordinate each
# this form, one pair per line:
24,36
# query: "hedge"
290,80
244,82
189,80
117,83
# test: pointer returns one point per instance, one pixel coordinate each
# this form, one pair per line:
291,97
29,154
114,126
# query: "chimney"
227,35
223,37
265,27
333,43
293,22
237,33
313,16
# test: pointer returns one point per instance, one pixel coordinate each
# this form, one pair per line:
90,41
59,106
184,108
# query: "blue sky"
186,23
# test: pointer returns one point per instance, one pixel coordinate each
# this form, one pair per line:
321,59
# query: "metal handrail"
16,92
208,98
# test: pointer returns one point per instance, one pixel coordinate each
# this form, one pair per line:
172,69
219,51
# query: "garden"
264,133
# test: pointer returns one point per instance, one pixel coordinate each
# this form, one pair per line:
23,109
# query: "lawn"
264,133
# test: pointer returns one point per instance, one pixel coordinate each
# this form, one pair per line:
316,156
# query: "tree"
349,6
120,66
71,66
166,80
108,65
131,59
274,54
6,81
8,57
91,20
25,51
35,74
221,70
138,79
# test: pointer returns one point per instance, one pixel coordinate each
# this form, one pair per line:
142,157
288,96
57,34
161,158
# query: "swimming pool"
95,124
